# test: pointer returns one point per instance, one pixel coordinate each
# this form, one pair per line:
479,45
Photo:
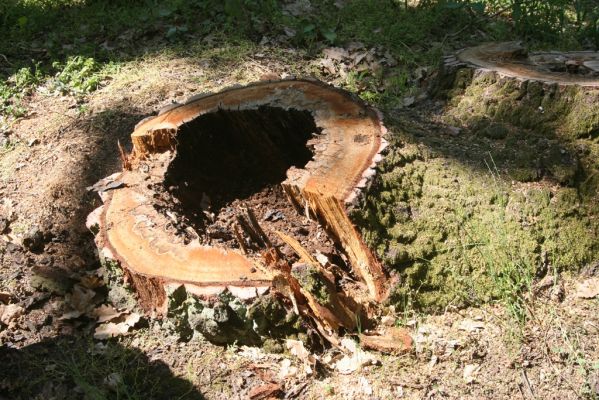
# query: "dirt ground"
46,252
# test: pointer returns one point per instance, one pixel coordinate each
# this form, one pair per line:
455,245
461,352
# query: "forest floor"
50,286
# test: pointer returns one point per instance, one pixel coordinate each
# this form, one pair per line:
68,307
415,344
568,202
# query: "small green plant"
78,75
17,86
329,389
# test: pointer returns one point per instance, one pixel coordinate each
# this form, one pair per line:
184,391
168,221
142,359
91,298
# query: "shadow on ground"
69,367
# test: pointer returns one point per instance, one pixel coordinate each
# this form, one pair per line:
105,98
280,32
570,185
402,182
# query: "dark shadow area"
42,33
71,367
229,155
497,148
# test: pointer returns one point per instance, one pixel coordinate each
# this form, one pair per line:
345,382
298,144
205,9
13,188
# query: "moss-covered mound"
475,200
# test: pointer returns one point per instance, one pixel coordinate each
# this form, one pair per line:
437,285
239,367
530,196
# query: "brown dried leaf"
81,298
336,53
267,391
106,313
112,329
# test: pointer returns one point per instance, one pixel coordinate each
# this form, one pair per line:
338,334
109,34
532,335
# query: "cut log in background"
552,94
265,128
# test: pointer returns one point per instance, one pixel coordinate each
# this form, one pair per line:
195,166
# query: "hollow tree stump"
179,215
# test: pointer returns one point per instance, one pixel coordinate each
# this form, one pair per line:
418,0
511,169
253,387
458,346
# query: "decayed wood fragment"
135,233
392,340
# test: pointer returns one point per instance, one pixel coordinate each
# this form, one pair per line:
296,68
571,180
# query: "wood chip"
392,341
267,391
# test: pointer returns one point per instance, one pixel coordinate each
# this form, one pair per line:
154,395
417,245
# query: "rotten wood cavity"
134,232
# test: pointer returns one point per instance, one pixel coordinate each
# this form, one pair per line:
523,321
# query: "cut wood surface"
511,59
145,241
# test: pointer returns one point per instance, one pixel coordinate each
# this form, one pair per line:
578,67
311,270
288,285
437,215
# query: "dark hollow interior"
228,155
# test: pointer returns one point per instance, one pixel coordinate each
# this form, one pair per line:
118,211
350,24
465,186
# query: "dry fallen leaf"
81,298
266,391
588,289
106,313
358,358
328,65
79,302
336,53
469,371
10,312
296,347
112,329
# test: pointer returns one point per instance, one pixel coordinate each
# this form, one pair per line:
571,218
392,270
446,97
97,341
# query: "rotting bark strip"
154,255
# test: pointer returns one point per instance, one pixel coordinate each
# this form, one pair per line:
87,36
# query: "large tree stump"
496,86
187,210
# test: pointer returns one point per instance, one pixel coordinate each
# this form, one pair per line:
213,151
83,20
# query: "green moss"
456,219
569,112
312,281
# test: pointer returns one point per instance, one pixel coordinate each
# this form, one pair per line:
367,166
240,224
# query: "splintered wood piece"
249,230
342,152
239,238
297,247
124,157
512,60
257,228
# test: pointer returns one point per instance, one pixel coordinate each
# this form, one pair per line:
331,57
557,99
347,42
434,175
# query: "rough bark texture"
270,120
